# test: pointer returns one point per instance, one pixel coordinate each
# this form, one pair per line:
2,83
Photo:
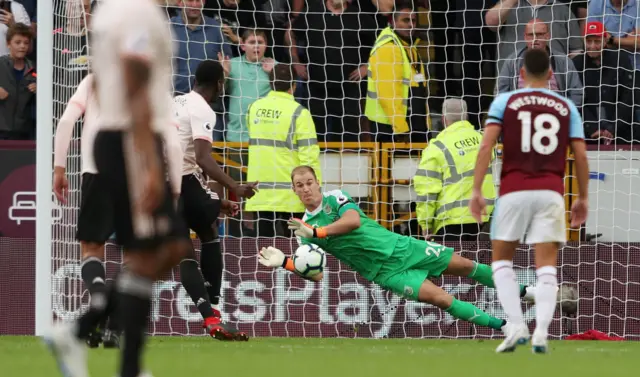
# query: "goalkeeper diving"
397,263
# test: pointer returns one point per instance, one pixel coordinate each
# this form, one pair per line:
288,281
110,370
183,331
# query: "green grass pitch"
200,356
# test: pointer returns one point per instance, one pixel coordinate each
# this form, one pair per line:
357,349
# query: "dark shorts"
200,205
96,218
113,152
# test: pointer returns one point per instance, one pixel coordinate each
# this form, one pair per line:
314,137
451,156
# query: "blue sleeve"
498,106
595,11
576,128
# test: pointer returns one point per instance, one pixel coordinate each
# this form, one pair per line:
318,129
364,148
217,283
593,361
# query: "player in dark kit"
200,206
537,126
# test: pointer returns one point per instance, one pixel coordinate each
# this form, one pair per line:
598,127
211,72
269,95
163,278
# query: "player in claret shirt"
398,263
537,126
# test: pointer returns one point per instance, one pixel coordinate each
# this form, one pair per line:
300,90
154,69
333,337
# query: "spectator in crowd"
579,10
607,75
199,38
17,86
236,16
478,46
282,136
30,8
280,14
444,35
247,81
444,179
338,41
565,79
621,19
11,12
379,9
397,83
510,17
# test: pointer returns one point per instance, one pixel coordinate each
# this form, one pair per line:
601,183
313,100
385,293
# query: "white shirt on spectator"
139,28
19,15
195,120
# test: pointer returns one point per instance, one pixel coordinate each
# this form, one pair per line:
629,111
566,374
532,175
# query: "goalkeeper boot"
110,339
515,335
70,352
94,339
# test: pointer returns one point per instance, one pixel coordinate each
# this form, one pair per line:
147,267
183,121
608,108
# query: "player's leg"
93,229
190,276
412,263
510,222
201,210
212,264
95,223
481,273
414,284
436,296
547,232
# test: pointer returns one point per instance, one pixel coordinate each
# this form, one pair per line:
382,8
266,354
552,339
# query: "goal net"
602,261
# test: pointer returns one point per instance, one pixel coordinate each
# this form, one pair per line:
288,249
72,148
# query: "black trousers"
458,232
274,224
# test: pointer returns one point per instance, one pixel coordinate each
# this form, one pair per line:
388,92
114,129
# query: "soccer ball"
309,260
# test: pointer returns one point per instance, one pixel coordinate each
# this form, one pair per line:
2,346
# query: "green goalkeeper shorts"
412,262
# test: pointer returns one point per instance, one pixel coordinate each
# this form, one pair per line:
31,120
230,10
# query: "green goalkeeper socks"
482,274
469,312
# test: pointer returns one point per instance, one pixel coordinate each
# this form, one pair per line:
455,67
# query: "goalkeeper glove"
274,258
304,230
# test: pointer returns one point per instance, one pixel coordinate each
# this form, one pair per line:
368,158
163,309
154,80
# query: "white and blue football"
309,260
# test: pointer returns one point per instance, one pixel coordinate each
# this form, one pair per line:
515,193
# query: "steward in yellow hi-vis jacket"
396,101
282,136
444,179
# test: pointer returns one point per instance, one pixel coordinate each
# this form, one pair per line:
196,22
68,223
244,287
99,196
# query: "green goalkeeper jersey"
364,249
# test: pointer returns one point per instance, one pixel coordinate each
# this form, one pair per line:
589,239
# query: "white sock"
508,290
546,293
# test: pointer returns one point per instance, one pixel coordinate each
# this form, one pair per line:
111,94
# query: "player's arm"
580,207
349,220
72,113
485,155
201,128
209,166
175,157
579,149
492,130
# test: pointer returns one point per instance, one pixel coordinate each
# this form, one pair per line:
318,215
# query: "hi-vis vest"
444,179
373,110
282,136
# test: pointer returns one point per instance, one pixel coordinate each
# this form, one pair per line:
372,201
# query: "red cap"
595,28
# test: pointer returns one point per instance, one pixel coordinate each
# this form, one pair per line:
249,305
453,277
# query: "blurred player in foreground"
201,206
93,228
132,54
398,263
537,126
